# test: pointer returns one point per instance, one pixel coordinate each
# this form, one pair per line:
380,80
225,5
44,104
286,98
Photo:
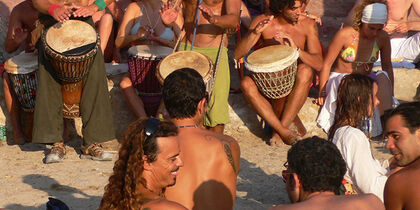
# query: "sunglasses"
150,128
285,174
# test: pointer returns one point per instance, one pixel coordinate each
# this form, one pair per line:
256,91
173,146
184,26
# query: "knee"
304,74
125,82
107,20
247,84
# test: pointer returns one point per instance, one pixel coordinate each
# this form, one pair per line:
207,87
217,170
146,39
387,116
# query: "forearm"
323,77
11,45
225,21
313,60
414,26
123,41
245,45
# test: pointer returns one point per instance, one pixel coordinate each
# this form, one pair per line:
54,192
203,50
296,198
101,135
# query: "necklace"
188,126
152,30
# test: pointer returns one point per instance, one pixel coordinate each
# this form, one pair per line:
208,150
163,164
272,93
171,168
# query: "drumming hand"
168,13
207,13
62,13
262,25
19,34
142,32
284,39
85,11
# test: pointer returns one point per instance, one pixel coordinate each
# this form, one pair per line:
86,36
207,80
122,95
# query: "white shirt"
363,170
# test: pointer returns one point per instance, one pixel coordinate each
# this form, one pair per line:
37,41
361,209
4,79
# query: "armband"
101,4
52,8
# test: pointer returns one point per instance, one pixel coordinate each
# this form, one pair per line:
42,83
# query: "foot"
95,152
57,153
276,140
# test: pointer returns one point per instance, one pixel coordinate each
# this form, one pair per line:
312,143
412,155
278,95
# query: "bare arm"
313,55
124,37
386,57
392,193
258,25
16,34
228,20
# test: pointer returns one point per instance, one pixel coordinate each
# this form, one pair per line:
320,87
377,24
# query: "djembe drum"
22,73
273,70
187,59
71,48
142,64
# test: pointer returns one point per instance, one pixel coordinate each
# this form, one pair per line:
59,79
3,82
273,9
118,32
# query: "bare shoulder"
163,204
133,6
229,145
371,201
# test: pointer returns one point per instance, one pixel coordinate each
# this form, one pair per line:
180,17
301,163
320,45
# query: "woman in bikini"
142,25
354,50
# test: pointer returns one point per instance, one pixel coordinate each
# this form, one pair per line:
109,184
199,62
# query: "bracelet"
307,13
52,8
101,4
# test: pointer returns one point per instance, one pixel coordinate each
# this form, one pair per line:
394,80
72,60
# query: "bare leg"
105,28
13,108
264,108
218,128
133,100
384,93
297,97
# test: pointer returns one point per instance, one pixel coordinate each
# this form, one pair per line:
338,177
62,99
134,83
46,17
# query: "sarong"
406,48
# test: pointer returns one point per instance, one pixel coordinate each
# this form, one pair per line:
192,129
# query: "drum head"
271,54
185,59
23,63
149,51
73,37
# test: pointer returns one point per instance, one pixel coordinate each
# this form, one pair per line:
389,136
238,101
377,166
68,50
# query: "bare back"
401,189
343,202
211,164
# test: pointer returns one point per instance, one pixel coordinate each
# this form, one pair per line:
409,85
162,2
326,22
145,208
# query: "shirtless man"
404,47
211,160
313,177
283,26
215,16
403,134
21,23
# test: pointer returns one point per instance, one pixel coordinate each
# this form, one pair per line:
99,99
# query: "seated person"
357,99
313,177
405,34
403,140
283,26
148,162
21,23
142,25
354,50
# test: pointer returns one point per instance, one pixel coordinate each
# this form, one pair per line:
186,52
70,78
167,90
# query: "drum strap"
216,63
196,24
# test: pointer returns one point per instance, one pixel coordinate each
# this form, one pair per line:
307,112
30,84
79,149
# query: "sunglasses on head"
150,128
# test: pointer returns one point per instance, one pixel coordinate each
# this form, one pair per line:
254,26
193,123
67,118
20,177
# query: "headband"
376,13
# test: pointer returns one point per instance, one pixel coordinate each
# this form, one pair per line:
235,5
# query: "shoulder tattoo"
228,152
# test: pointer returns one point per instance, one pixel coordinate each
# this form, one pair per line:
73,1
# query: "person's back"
342,202
211,163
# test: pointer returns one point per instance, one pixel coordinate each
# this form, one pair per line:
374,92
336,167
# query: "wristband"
52,8
101,4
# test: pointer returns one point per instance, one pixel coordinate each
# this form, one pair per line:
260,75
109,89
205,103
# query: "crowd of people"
185,161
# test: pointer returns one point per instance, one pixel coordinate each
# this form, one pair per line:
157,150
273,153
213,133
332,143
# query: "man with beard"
403,134
283,26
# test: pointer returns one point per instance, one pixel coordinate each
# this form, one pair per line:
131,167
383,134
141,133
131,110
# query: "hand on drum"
19,34
85,11
262,25
143,32
168,13
284,39
62,13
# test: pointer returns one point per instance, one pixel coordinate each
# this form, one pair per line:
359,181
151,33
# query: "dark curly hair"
276,6
358,12
410,113
120,193
318,164
354,95
182,90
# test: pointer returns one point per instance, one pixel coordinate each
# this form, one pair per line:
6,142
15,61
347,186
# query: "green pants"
217,107
95,106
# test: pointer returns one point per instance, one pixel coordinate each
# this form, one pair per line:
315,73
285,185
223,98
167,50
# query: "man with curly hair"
283,26
315,169
403,134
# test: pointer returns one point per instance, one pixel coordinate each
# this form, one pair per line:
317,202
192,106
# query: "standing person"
214,18
283,26
402,131
142,25
21,23
354,50
356,100
148,162
207,155
95,106
313,177
405,45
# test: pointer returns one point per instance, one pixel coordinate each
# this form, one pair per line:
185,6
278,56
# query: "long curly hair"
120,193
354,100
358,12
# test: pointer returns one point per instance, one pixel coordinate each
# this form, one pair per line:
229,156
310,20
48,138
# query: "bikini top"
166,34
349,54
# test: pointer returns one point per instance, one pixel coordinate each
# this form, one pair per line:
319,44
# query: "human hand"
317,18
62,13
143,32
402,27
207,13
321,97
168,13
19,34
85,11
284,39
262,25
